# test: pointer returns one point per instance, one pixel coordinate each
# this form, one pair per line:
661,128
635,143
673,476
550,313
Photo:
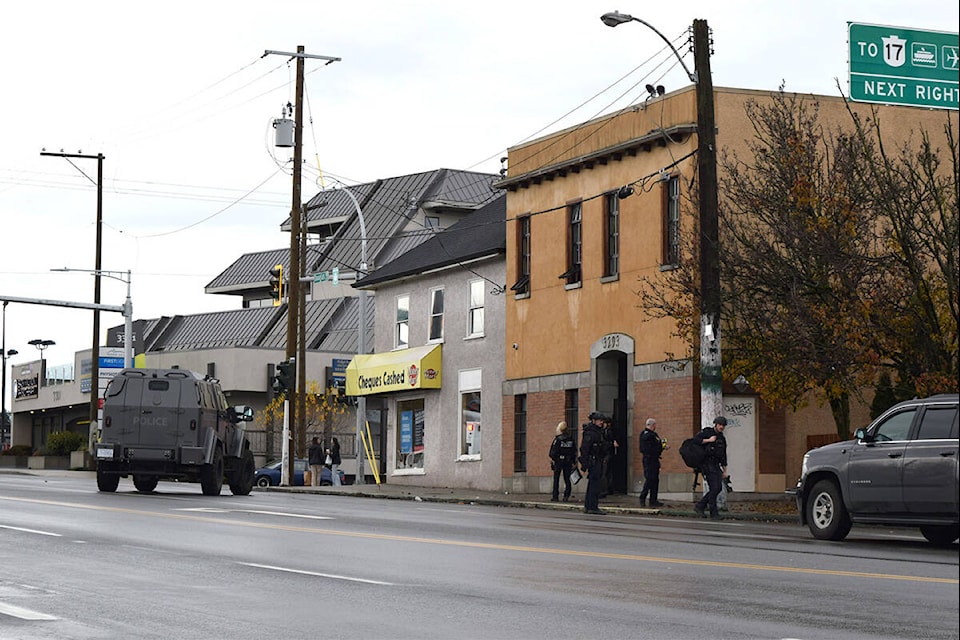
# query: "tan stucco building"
578,246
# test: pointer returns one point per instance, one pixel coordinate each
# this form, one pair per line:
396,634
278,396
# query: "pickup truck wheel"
242,481
211,476
107,482
941,534
827,516
145,484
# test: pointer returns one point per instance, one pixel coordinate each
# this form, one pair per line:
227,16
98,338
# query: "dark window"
671,221
158,385
937,423
571,411
436,314
522,285
611,249
574,244
520,433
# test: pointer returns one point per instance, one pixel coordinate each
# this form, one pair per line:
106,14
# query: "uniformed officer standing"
591,461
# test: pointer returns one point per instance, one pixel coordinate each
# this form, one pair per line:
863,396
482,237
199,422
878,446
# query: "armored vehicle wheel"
940,534
242,481
107,482
827,516
145,484
211,476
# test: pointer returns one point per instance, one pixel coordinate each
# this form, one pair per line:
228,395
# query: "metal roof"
389,208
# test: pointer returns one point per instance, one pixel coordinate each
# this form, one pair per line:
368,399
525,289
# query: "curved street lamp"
615,18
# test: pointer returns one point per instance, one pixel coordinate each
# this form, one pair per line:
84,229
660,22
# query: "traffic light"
276,284
285,379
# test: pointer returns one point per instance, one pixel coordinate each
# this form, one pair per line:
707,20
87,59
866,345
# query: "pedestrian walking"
714,467
651,447
563,458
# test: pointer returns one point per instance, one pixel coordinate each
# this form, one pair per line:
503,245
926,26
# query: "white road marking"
319,575
263,513
23,614
41,533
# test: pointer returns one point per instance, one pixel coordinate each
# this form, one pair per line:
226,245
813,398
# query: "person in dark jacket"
335,461
611,447
591,461
563,457
651,446
315,458
714,467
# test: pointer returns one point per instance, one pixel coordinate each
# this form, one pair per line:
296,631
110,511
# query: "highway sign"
896,65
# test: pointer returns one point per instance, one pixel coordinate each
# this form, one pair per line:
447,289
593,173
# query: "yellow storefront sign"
416,368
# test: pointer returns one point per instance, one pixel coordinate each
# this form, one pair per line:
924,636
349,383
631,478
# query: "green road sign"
894,65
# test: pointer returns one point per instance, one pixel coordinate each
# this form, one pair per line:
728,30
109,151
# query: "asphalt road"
81,565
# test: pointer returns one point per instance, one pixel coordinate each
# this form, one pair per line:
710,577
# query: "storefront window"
410,427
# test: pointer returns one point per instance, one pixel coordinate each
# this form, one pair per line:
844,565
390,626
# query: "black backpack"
693,453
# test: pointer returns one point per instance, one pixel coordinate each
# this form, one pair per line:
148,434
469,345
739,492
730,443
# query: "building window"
522,285
571,411
410,427
470,431
671,221
432,223
436,315
611,235
520,433
401,332
476,308
574,244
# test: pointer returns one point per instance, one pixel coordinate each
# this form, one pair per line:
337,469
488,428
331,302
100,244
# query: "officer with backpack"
592,449
714,467
563,458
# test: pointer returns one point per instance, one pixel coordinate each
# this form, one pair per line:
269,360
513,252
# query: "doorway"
612,357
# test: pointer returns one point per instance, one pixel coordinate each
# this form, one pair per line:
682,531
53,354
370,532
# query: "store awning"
416,368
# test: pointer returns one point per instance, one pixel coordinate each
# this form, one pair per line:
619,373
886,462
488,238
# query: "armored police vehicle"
172,424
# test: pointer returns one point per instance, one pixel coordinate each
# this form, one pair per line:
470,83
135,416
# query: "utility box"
284,132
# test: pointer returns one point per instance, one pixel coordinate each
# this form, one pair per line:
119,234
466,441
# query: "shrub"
19,450
61,443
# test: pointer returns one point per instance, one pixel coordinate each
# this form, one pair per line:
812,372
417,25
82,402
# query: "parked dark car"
902,470
269,475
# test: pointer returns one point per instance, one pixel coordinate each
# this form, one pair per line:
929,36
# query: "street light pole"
127,308
711,376
361,339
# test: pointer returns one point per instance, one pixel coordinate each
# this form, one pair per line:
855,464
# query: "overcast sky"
179,98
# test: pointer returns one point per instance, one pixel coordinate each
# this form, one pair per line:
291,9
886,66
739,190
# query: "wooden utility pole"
95,349
711,376
295,305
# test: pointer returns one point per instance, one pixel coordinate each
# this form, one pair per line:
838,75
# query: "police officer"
591,461
714,467
651,446
563,458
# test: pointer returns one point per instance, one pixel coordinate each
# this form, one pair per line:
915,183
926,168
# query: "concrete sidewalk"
740,506
768,507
